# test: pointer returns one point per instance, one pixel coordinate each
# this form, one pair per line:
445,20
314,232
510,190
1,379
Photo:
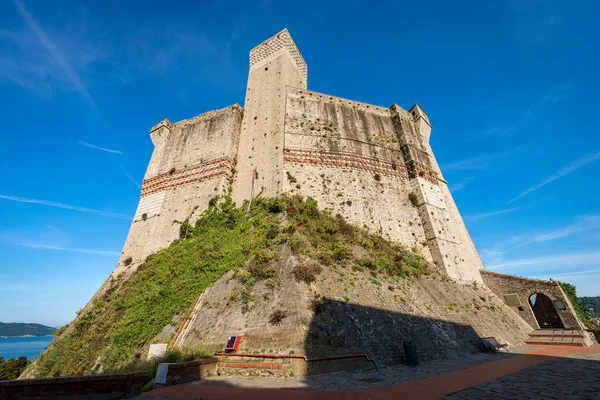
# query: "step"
555,340
251,365
557,332
538,335
534,343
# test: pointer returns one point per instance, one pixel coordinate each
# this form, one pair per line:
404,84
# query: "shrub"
290,177
127,262
277,316
583,312
172,171
272,232
377,177
299,244
316,304
144,216
414,200
306,272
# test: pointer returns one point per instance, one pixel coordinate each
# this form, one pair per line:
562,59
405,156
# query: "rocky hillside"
289,278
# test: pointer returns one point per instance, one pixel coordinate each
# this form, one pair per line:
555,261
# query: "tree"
583,312
12,368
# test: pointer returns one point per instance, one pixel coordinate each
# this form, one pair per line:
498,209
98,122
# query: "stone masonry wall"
359,314
505,285
345,154
192,162
261,137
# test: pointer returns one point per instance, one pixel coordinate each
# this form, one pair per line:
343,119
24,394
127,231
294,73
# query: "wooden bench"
490,344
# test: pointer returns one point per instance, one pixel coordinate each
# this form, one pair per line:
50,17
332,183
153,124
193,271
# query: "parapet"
273,47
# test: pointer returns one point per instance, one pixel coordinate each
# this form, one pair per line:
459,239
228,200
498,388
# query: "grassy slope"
133,311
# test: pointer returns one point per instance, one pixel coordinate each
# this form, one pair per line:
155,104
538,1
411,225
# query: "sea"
29,346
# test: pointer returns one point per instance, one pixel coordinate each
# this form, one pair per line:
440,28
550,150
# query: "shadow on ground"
451,364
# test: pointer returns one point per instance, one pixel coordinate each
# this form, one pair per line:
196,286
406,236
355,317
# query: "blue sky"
510,88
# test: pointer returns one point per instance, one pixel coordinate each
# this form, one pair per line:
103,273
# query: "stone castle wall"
359,160
192,162
345,154
505,286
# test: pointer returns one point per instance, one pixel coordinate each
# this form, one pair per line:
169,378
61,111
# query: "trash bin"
410,351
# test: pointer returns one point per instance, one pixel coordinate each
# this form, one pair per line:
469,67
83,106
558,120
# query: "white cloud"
566,170
133,181
69,249
551,261
65,206
460,185
42,63
478,217
99,148
475,163
495,256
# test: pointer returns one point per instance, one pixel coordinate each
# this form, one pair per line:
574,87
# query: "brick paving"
527,372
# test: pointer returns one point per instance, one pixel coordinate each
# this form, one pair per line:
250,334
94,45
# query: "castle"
373,165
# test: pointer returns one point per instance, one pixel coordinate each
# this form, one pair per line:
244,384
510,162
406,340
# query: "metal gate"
545,312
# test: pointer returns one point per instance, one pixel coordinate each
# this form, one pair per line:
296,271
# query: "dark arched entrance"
544,311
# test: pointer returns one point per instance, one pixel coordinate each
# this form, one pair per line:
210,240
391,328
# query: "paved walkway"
526,372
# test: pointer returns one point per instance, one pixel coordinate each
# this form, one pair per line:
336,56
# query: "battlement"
273,47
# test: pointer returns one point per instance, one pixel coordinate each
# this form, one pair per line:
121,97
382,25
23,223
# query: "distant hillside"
592,302
22,329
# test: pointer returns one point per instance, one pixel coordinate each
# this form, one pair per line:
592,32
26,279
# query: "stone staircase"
556,337
254,367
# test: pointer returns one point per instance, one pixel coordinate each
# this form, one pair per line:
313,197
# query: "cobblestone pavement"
547,373
573,377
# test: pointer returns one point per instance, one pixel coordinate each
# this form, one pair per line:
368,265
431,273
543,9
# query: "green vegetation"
290,177
150,366
583,312
593,303
307,272
117,326
12,368
132,312
277,316
414,200
23,329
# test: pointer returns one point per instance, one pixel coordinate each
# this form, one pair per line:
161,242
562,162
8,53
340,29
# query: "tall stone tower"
275,64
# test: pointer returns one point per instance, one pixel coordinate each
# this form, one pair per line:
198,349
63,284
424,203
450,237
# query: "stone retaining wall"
505,285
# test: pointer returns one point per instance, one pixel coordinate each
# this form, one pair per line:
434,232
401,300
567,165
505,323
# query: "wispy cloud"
460,185
65,206
86,144
551,261
478,217
69,249
475,163
133,181
496,254
566,170
68,73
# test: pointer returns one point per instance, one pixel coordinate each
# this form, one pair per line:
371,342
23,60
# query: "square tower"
274,64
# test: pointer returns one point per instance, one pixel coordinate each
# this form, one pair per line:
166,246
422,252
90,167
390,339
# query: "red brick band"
355,161
197,173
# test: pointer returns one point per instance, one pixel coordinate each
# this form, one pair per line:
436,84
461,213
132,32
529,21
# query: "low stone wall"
187,372
505,285
96,387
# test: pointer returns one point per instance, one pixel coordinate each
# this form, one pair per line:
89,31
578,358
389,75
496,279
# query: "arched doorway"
544,311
